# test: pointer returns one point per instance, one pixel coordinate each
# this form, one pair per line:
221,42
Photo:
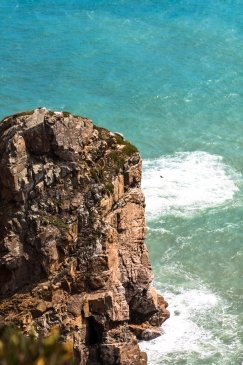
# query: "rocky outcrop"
72,232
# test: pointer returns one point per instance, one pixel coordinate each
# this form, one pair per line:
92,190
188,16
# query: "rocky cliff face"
72,232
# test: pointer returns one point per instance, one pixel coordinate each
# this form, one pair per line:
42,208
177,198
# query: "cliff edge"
72,231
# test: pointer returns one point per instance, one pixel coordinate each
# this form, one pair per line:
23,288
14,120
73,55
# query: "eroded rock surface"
72,232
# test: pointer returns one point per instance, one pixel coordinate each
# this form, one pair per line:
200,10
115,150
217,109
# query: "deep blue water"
167,74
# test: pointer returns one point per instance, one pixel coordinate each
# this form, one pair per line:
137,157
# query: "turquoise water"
169,76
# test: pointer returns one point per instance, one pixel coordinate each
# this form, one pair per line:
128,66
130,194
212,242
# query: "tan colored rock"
72,233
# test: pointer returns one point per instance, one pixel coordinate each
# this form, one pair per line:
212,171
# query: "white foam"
187,331
187,182
180,332
159,229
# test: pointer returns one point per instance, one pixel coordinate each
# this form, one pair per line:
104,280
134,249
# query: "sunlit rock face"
72,233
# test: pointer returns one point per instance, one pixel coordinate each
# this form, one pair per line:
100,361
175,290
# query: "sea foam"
186,182
187,333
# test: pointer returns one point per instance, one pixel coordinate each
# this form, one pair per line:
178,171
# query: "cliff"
72,231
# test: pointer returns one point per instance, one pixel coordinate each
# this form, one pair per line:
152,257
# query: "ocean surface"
168,74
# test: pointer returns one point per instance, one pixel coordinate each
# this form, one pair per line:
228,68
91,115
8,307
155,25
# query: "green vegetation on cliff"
18,349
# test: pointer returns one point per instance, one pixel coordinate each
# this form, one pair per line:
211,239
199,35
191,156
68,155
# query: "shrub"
18,349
